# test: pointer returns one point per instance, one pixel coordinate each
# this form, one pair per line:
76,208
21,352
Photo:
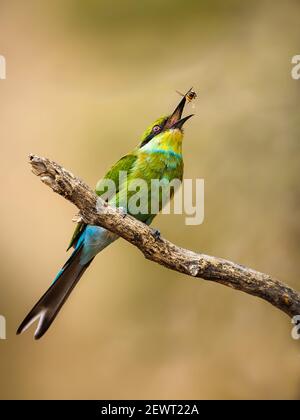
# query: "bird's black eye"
156,129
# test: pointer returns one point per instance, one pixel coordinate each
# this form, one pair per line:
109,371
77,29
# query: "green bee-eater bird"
157,156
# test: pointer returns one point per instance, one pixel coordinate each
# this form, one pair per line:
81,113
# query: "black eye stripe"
153,133
147,139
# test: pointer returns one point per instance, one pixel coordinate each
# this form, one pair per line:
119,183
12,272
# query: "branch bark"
95,211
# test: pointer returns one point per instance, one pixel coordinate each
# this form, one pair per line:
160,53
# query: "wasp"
190,95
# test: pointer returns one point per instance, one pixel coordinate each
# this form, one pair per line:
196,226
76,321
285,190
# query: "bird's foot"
155,233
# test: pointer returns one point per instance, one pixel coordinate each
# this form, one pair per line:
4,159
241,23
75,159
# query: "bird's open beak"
175,120
180,122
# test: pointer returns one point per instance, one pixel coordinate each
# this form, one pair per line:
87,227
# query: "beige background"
84,79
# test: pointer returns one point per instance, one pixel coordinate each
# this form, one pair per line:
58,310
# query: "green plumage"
158,159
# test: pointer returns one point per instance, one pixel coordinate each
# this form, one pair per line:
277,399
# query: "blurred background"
84,79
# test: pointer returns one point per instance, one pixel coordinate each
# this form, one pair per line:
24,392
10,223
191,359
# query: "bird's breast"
157,163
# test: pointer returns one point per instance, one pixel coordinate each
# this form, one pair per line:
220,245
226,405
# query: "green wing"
126,163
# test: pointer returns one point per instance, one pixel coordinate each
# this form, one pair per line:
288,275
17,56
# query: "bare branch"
95,211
